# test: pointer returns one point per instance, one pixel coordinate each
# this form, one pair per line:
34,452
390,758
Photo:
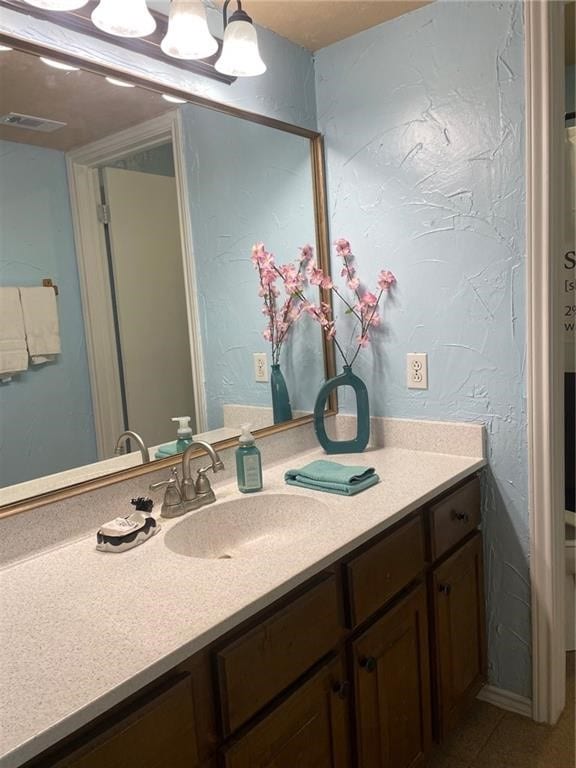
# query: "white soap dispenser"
184,433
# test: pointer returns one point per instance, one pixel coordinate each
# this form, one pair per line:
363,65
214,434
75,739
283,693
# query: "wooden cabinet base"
457,591
308,730
392,686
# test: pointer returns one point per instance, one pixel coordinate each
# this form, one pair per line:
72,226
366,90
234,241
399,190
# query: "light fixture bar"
79,21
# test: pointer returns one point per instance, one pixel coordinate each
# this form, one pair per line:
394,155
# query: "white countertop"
81,630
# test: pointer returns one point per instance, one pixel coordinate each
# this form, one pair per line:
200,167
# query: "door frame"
544,27
82,165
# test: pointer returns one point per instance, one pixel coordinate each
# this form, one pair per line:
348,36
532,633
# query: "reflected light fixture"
4,48
173,99
240,56
124,18
59,65
57,5
188,36
119,83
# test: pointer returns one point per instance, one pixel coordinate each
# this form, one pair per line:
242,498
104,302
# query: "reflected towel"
13,351
168,449
41,323
332,477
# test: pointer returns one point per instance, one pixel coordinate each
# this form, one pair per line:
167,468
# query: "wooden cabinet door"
308,730
154,734
459,632
392,686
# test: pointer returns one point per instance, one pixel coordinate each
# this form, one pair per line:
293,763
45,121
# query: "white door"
150,295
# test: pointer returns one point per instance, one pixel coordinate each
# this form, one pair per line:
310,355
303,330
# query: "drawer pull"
444,589
462,516
368,663
341,689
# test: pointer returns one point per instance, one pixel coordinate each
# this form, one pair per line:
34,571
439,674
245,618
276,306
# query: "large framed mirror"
141,207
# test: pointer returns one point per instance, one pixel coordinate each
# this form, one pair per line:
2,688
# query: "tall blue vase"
345,379
281,408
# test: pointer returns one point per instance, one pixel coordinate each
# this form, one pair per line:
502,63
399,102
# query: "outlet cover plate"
417,370
260,366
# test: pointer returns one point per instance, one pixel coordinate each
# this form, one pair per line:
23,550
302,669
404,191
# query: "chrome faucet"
129,434
197,494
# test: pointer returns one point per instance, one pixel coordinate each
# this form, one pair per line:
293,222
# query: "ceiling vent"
31,123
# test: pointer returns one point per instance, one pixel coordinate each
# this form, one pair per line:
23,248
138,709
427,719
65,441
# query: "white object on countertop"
124,533
13,351
41,323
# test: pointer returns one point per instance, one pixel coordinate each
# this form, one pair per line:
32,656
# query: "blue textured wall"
424,124
46,422
251,184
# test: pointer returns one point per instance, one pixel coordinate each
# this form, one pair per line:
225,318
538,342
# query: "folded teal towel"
332,477
168,449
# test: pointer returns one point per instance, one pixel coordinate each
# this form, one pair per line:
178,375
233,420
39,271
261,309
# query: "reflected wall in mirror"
143,213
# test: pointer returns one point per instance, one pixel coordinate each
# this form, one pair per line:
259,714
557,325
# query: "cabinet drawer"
158,732
309,728
270,657
380,572
454,517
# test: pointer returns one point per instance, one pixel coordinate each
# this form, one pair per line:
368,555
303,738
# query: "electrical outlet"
417,370
260,366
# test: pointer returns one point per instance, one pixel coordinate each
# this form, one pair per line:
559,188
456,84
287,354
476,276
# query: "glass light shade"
240,56
188,36
124,18
57,5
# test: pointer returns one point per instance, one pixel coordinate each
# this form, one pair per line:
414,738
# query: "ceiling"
91,107
314,24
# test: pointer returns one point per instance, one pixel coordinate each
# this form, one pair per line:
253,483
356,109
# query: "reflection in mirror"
143,213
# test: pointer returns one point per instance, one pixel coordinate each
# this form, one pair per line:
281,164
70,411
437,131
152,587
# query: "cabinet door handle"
444,589
462,516
368,663
341,689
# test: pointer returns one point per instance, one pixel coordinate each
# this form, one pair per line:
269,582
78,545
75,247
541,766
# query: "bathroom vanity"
357,649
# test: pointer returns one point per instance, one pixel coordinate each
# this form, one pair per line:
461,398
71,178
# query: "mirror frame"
322,254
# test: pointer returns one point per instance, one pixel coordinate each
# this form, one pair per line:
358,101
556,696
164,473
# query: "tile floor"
491,738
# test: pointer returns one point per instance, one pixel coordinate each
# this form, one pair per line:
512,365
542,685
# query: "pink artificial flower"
363,341
369,300
343,247
330,330
353,284
267,334
385,280
326,283
306,253
374,320
315,275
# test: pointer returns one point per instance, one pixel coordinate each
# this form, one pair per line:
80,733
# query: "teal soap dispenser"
183,433
248,462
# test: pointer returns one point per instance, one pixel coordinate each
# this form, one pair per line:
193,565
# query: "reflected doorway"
135,256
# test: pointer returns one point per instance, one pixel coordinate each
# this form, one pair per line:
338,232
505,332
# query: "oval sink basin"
248,527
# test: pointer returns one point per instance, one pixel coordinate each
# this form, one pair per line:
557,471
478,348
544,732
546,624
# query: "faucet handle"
202,484
172,504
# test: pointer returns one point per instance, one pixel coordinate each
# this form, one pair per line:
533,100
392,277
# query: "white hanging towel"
41,323
13,352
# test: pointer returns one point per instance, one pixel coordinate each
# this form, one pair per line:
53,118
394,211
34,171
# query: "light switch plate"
417,370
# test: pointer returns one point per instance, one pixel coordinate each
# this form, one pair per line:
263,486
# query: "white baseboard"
507,700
